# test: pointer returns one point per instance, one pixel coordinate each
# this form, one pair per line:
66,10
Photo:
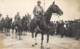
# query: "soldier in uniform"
6,25
38,13
6,20
17,17
18,26
38,10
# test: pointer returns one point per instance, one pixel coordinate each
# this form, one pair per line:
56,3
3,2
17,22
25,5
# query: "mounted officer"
38,11
17,18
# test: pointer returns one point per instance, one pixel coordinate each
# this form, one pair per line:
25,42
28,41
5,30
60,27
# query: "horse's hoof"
35,43
48,48
42,47
20,39
32,45
62,36
77,38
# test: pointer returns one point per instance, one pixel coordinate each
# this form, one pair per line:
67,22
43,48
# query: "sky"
70,8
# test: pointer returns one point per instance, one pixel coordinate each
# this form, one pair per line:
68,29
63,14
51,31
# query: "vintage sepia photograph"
39,24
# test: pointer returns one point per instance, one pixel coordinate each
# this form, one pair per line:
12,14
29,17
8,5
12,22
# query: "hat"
38,1
54,2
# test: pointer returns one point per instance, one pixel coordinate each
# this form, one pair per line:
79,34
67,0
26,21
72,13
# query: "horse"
44,23
7,25
45,26
20,25
25,20
2,25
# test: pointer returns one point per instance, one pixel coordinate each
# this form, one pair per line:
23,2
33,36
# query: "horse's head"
56,9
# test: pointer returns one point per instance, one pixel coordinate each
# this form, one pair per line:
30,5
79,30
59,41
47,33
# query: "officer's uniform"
38,12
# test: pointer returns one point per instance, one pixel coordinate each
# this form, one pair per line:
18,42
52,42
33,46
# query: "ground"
56,42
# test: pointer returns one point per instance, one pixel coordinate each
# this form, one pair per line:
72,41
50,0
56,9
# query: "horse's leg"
32,34
16,33
14,30
8,31
42,38
47,40
36,38
62,33
19,33
12,33
5,30
47,37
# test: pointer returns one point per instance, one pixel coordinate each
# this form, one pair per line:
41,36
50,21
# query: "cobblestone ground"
26,43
